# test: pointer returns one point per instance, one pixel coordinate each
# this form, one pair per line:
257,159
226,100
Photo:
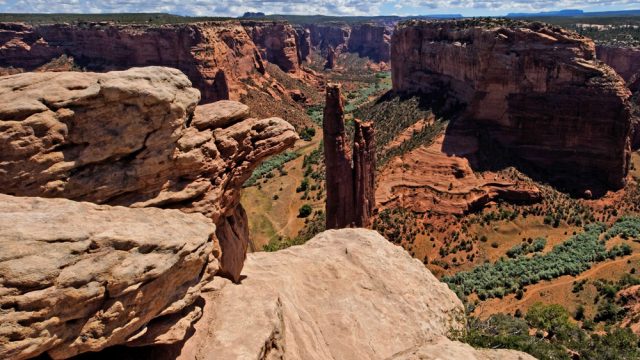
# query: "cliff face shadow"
475,141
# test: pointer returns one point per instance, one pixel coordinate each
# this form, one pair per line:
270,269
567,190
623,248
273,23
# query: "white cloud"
337,7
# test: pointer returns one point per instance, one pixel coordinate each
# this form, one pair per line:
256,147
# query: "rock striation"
277,42
332,298
367,39
337,159
134,138
624,60
350,188
372,41
215,56
537,90
303,42
91,276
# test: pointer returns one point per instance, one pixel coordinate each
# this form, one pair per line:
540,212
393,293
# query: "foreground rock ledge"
78,277
346,294
135,138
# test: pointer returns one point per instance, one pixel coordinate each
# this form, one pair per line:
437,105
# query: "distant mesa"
253,15
568,12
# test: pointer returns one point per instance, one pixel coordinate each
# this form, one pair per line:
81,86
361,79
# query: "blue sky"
339,7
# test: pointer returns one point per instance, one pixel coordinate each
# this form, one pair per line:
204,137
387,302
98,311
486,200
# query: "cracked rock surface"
78,277
346,294
134,138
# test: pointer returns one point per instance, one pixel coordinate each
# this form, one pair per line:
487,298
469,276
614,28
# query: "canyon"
536,90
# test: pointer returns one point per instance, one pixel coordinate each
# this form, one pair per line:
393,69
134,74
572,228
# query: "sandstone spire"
350,189
331,59
364,160
337,155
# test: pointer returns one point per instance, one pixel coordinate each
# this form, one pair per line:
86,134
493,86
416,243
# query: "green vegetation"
304,211
265,170
527,248
313,226
556,336
572,257
308,133
404,112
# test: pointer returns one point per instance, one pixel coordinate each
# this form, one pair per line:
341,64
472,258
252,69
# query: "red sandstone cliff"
367,40
303,42
350,190
625,61
214,55
536,90
277,43
372,41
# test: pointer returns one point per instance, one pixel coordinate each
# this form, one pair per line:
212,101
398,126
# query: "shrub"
304,211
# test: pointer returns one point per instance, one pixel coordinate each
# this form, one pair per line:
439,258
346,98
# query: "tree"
304,211
552,318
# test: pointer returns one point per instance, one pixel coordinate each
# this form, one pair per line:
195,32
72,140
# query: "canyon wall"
214,55
350,189
625,61
372,41
278,43
134,138
367,40
536,90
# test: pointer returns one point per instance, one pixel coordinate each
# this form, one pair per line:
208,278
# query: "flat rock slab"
78,277
346,294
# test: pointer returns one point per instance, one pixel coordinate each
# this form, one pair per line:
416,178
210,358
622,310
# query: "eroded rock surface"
214,55
332,298
132,138
624,60
277,43
350,188
78,277
537,90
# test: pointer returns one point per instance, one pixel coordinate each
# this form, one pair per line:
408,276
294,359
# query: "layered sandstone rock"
303,43
350,189
367,40
337,158
277,43
439,178
332,298
536,90
330,64
624,60
371,40
214,55
364,170
134,138
324,36
78,277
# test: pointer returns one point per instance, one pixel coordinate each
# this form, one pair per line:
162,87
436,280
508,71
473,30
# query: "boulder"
131,138
345,294
78,277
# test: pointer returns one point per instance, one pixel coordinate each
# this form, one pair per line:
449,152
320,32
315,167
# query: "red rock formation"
367,40
370,40
350,190
303,42
214,55
324,36
537,90
364,161
277,43
134,138
337,157
331,59
624,60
